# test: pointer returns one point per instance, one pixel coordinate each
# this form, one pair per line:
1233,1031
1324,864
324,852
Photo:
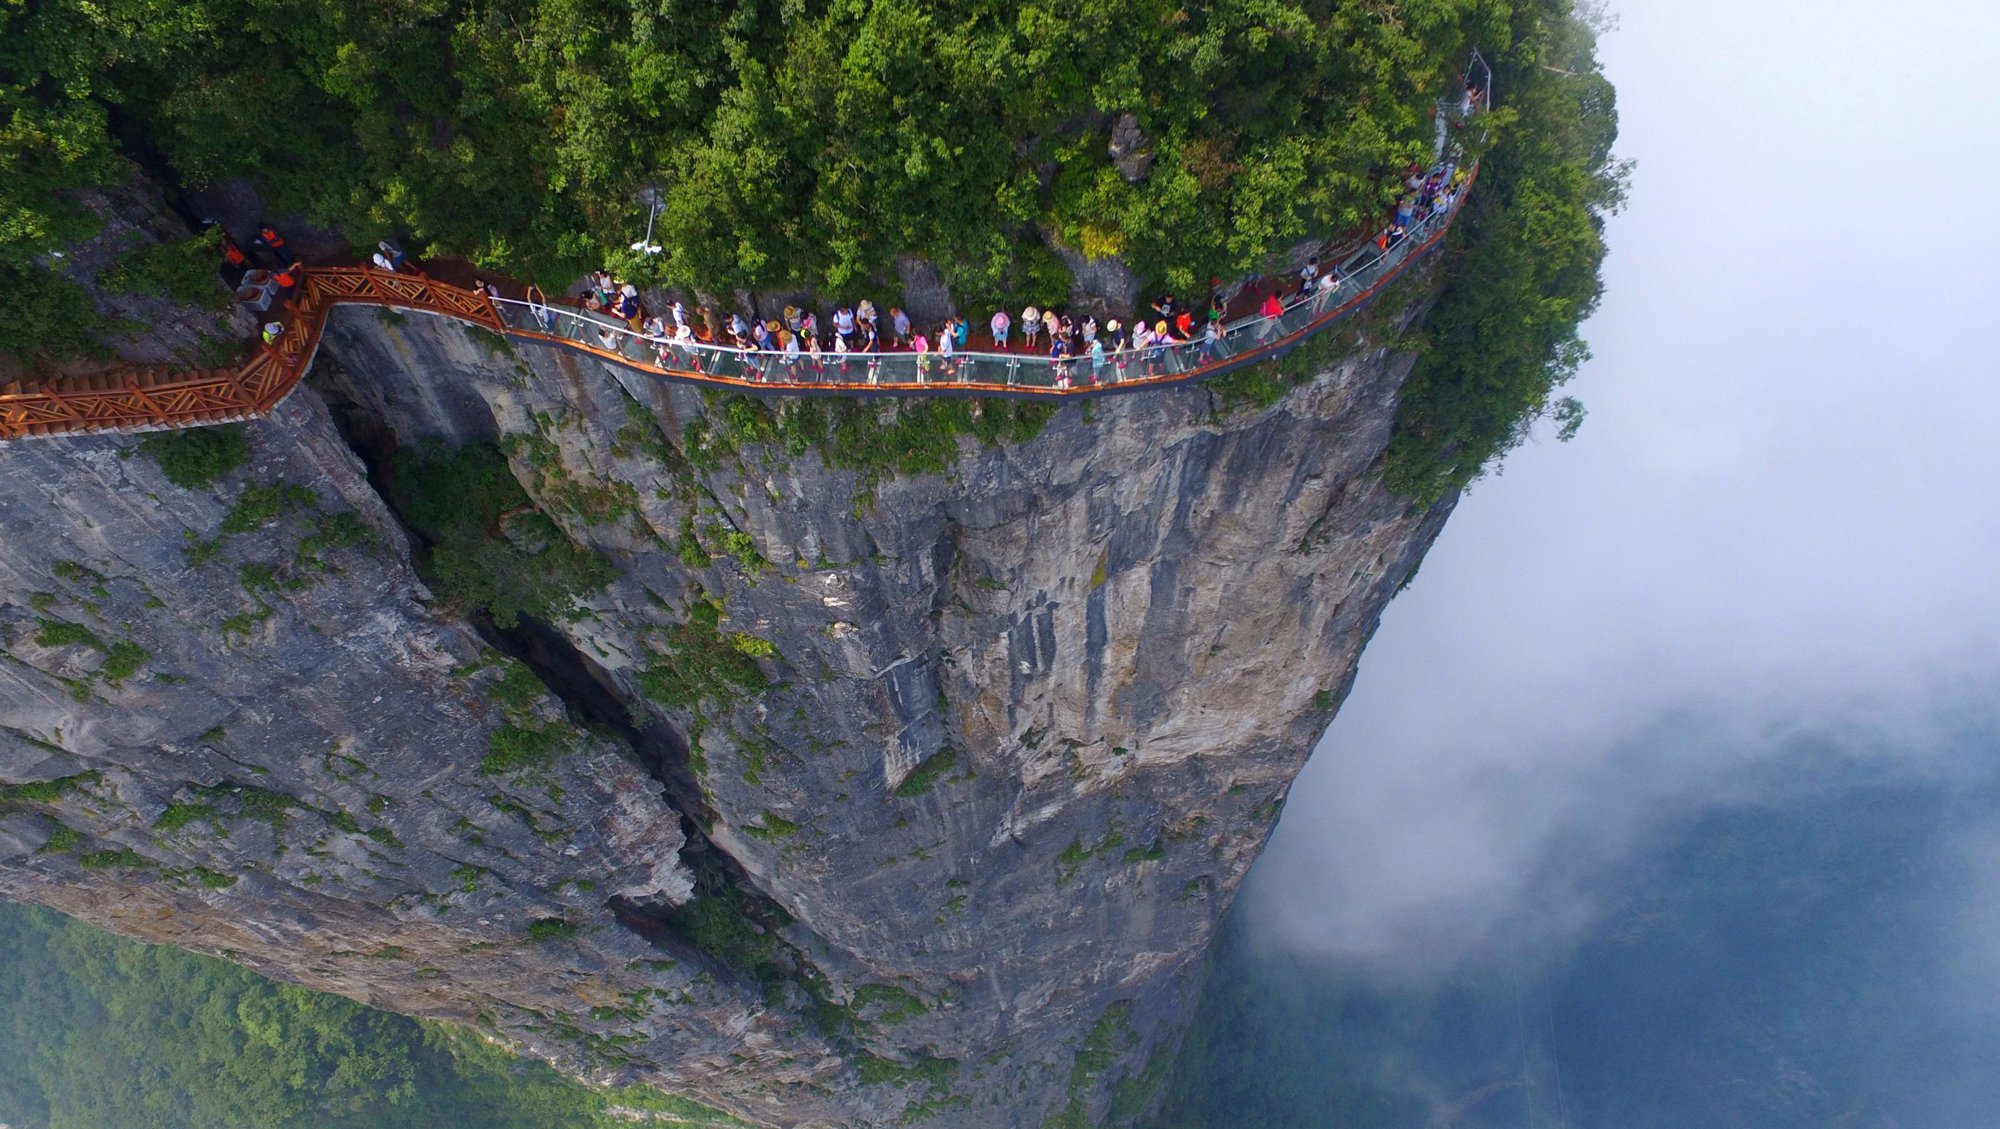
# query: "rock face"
1028,721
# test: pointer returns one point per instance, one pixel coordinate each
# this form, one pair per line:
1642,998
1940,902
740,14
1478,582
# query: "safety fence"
1012,373
151,397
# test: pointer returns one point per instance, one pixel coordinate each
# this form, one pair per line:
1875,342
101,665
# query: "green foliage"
773,828
719,924
789,146
44,316
179,815
930,771
123,660
899,437
1523,272
196,458
895,1003
1109,1037
547,929
517,747
700,663
46,791
97,1031
488,549
110,857
62,838
184,271
58,633
263,502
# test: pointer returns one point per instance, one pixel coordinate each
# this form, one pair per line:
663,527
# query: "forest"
777,146
97,1031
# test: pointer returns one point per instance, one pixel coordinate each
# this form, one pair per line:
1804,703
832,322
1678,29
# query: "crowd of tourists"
812,345
854,338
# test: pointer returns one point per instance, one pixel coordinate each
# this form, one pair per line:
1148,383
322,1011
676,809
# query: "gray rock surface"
1029,721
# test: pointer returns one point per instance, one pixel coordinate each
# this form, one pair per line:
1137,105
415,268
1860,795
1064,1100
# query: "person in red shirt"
1271,310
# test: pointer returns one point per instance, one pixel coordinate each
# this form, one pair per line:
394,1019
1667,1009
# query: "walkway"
153,398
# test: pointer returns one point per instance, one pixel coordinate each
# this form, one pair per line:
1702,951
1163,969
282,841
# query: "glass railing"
1356,277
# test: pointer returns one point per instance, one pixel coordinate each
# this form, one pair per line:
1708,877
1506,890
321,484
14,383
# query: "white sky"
1783,512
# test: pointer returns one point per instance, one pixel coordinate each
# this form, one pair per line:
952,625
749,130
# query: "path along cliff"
896,762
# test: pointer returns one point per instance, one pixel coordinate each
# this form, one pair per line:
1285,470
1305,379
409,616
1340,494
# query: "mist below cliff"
1694,715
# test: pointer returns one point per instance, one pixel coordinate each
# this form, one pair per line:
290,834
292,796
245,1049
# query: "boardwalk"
144,398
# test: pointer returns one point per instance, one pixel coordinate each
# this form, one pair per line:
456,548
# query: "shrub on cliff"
194,459
487,548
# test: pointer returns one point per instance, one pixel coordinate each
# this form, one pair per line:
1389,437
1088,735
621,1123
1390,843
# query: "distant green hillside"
97,1032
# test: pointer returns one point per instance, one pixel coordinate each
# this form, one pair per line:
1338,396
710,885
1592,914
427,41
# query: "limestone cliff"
1023,725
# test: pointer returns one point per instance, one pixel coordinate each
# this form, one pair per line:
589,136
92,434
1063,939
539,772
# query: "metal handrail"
1357,275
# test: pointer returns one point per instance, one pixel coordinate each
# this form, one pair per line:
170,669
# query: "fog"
1771,552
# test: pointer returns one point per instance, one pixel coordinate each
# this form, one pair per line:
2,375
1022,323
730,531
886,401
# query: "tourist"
840,353
1001,323
899,327
382,262
1031,326
809,325
539,307
1271,310
397,260
1211,338
813,352
843,323
866,313
922,346
792,318
760,336
235,264
1096,359
961,329
791,356
270,247
948,348
1323,293
1089,331
628,305
1309,275
1165,306
679,313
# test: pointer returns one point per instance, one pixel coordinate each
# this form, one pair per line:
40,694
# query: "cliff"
850,795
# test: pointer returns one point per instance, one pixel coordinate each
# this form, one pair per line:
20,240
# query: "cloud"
1775,540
